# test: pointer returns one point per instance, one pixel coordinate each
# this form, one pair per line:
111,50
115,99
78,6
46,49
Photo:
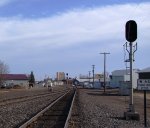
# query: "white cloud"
76,26
101,28
5,2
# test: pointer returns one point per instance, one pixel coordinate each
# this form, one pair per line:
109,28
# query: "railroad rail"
26,98
56,115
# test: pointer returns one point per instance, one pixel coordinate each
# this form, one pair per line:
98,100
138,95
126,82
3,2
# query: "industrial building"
145,73
121,77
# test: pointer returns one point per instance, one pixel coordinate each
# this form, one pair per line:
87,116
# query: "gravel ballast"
93,109
14,114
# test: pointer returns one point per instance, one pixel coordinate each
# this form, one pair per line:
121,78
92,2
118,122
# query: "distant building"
84,78
15,79
98,80
98,76
119,77
60,76
58,83
144,73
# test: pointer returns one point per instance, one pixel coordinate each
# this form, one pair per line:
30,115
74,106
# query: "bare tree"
4,69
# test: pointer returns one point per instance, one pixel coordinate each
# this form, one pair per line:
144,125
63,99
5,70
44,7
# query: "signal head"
131,31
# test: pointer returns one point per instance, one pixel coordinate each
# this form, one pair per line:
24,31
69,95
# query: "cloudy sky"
46,36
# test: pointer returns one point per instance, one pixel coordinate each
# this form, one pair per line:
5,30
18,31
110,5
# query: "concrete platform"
132,116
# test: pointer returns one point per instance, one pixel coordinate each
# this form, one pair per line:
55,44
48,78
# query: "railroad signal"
131,36
131,31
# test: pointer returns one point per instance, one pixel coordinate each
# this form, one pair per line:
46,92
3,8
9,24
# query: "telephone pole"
89,76
104,53
93,66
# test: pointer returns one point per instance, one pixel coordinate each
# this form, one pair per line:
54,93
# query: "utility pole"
89,76
67,78
93,66
104,53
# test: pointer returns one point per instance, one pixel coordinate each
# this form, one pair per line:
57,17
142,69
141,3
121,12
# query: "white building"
15,79
121,76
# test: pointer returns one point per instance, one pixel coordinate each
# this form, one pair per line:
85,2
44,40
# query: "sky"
49,36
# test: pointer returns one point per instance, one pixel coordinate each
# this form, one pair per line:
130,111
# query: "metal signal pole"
67,78
131,36
104,53
131,106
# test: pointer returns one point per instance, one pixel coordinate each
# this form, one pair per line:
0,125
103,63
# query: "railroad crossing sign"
143,84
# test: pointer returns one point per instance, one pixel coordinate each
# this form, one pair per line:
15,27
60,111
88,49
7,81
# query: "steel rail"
34,118
70,111
28,96
23,99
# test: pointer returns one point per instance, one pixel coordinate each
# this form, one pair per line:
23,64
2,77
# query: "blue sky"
46,36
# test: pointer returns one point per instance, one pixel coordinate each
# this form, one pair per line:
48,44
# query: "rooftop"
14,76
145,70
123,72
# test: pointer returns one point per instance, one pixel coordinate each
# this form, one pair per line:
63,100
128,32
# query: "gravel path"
94,110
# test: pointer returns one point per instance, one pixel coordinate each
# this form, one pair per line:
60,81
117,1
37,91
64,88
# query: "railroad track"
27,98
56,115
